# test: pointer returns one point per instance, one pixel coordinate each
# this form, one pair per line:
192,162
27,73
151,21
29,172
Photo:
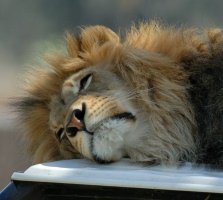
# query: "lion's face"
97,115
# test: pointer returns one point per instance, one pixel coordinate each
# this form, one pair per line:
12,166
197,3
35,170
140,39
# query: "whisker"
125,96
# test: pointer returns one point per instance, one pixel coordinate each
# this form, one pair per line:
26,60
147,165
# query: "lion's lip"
125,115
120,116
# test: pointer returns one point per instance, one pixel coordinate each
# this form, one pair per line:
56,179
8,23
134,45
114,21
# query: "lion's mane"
179,84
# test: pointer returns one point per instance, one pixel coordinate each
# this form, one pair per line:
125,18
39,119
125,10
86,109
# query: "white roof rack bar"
125,174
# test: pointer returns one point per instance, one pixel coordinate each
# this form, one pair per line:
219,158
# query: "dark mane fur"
206,93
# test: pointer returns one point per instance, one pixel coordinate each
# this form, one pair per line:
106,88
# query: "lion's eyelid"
85,82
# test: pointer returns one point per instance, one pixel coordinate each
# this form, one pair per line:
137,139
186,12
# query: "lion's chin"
108,142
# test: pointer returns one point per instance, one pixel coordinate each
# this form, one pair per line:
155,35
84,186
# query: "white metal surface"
125,174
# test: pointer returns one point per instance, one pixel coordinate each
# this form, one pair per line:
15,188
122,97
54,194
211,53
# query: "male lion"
155,96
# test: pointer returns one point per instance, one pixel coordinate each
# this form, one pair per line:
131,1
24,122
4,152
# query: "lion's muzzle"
97,127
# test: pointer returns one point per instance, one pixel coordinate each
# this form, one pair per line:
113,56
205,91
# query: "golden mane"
166,69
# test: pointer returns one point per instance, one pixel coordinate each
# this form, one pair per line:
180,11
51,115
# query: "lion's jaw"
107,126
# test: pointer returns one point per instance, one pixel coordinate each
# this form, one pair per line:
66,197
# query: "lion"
154,95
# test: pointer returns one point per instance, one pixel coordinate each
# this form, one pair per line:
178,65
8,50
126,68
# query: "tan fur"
142,74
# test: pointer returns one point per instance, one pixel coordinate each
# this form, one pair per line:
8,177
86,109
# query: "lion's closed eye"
60,133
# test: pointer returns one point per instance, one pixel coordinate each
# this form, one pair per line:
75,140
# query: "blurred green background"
28,29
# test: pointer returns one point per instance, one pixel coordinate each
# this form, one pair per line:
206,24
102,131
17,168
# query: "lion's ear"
96,36
72,45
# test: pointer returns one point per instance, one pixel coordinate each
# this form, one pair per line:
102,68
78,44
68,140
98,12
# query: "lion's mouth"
125,115
76,121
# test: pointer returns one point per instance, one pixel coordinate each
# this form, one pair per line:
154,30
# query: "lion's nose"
76,122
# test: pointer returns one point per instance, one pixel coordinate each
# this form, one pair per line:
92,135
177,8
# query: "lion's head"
107,99
98,117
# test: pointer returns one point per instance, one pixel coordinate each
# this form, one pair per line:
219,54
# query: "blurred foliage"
27,25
